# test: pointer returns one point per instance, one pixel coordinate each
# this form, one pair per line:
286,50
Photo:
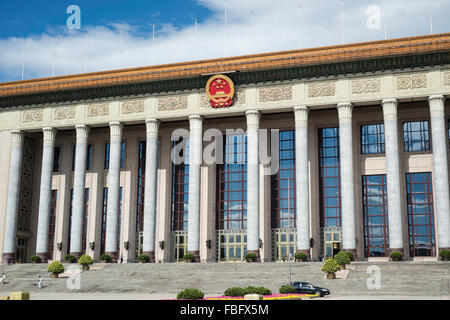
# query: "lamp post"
290,259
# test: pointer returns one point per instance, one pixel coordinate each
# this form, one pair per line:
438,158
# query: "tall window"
420,214
141,187
122,155
56,159
376,233
180,189
416,136
232,184
329,166
372,138
283,184
88,157
52,223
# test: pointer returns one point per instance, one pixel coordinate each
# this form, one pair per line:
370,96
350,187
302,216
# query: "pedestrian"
9,261
3,278
121,257
40,282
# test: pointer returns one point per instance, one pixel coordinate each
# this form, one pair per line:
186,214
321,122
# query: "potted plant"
250,257
143,258
300,256
188,257
35,259
85,260
342,259
55,268
445,255
396,256
105,258
330,267
350,255
70,258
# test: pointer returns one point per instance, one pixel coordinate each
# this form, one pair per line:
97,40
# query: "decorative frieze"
134,106
279,93
446,78
238,99
366,86
323,89
64,113
412,81
172,103
97,110
34,115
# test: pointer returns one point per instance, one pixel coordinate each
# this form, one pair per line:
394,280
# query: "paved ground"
381,280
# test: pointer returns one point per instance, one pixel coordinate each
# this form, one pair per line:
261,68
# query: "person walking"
121,257
3,278
40,282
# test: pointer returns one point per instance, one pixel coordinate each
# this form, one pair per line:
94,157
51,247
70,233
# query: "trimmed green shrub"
85,260
55,267
342,258
105,257
189,257
445,255
143,258
235,292
190,294
257,290
287,289
350,255
70,258
250,257
300,256
330,266
396,256
35,259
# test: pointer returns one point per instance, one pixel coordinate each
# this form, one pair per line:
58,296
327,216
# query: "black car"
306,287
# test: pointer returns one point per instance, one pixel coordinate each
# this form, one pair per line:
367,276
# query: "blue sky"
118,33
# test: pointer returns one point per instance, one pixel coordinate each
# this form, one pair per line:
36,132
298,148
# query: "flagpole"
430,17
23,57
299,26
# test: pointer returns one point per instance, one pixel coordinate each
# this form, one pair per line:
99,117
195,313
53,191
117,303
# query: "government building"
316,151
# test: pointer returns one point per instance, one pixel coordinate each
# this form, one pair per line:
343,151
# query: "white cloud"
274,27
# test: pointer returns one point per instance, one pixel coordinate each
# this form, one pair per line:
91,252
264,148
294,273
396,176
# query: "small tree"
330,267
250,257
396,256
190,294
70,258
55,268
235,292
300,256
189,257
105,258
287,289
342,259
445,255
143,258
85,260
35,259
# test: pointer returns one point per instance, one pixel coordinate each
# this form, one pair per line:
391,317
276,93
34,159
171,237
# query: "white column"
113,205
347,183
151,166
393,175
195,158
253,182
78,189
45,193
302,179
440,168
12,206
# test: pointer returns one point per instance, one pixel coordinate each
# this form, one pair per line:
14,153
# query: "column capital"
17,138
253,119
438,97
301,115
152,126
116,129
195,122
345,111
82,133
49,136
389,108
437,107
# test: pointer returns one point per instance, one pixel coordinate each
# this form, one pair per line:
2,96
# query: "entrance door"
283,243
332,241
21,250
179,245
232,245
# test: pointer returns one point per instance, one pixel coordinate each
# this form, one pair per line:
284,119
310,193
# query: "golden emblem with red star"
220,91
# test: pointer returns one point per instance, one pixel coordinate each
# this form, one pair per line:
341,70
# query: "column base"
353,251
10,256
113,256
77,255
196,255
151,256
256,252
307,252
43,256
442,249
401,250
